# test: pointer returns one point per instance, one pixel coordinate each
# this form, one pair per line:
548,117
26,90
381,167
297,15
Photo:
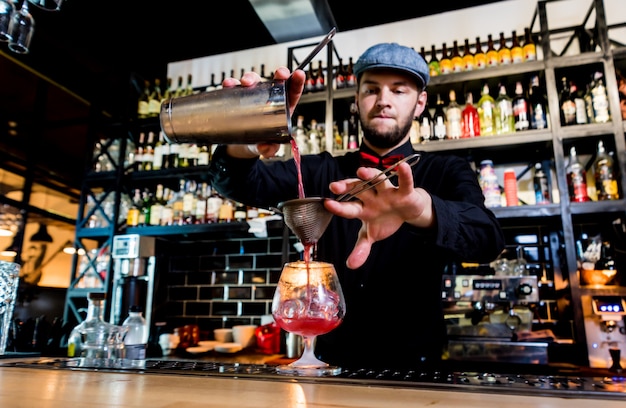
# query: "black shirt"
393,315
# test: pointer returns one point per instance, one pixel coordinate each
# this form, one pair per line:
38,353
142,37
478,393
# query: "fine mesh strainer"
308,218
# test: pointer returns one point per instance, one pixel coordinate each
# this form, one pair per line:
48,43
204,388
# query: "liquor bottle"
139,150
599,99
204,155
320,82
213,205
486,112
488,181
470,123
183,155
136,339
240,213
529,48
227,211
301,137
426,129
148,152
541,186
189,202
505,120
156,208
521,112
309,83
177,204
192,154
607,260
517,53
189,86
603,167
180,89
567,104
576,178
445,63
156,97
167,213
212,85
143,104
157,160
504,52
454,116
86,338
469,62
455,58
168,92
132,217
350,76
264,77
537,105
480,58
340,75
147,200
492,54
313,134
200,201
440,122
433,62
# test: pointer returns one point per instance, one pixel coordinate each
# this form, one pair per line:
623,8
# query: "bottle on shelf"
156,208
454,115
537,104
350,76
541,186
204,155
529,48
156,97
504,52
599,99
566,104
604,173
301,137
139,150
426,129
157,153
492,54
313,134
488,181
309,83
470,123
505,120
576,178
517,53
200,201
340,75
132,217
212,85
433,62
143,104
320,82
440,122
136,339
180,89
189,86
455,58
480,58
579,102
486,112
469,61
189,202
521,111
168,92
445,63
148,153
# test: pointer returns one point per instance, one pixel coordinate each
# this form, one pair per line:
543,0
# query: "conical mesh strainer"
308,218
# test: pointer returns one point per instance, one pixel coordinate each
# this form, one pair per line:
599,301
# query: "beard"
386,140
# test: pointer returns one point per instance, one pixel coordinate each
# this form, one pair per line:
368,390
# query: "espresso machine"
488,315
605,330
133,276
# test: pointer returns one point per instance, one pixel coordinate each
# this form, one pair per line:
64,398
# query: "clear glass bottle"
440,121
505,120
91,337
470,123
486,112
136,338
455,118
599,99
521,111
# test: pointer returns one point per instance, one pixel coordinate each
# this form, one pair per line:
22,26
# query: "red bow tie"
369,160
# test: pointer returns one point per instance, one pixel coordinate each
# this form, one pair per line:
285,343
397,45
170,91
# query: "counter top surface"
23,384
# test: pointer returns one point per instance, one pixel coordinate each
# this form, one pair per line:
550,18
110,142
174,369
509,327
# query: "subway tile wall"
218,283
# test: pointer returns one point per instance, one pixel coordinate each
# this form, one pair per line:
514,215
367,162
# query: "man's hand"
382,209
294,86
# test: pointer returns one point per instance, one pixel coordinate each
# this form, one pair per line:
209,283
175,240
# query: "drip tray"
521,384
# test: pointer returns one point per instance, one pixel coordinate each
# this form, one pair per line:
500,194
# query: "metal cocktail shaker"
238,115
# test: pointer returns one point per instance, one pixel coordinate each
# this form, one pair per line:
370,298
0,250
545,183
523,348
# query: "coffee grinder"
605,330
133,276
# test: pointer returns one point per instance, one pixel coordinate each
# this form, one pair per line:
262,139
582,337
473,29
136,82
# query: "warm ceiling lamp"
41,235
11,250
294,19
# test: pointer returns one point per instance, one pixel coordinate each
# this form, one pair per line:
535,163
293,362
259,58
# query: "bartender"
391,245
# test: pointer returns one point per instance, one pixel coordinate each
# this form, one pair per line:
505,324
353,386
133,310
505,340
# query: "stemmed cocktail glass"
309,302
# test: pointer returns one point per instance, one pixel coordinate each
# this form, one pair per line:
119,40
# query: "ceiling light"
290,20
41,235
11,250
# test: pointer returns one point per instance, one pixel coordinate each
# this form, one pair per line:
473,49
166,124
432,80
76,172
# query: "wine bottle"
529,48
566,104
492,54
603,167
480,58
320,82
154,102
541,186
505,120
426,129
445,63
350,76
504,52
469,62
576,178
433,62
143,104
537,105
440,122
340,75
599,99
486,112
455,58
454,116
309,83
148,153
517,53
470,123
521,112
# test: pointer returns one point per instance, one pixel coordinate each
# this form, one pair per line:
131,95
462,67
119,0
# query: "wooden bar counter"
24,386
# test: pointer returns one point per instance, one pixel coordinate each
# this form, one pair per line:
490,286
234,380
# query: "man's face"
388,100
